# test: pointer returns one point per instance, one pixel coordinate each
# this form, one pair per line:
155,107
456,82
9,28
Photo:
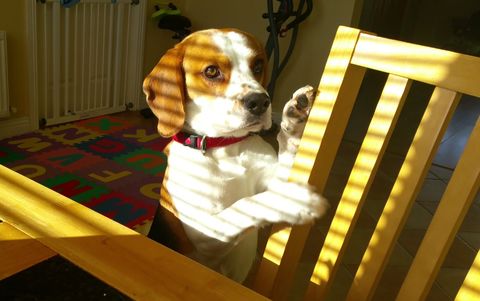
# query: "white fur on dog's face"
214,107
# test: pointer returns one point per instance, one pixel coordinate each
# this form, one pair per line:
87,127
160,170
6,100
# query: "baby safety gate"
87,56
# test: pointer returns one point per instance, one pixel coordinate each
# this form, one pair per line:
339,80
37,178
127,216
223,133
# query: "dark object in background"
276,28
177,24
466,35
170,18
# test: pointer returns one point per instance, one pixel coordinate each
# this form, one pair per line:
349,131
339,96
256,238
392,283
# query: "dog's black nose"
256,103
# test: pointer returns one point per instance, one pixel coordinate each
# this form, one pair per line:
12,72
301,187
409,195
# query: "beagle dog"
223,181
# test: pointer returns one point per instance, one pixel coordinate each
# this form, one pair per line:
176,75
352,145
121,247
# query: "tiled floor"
465,245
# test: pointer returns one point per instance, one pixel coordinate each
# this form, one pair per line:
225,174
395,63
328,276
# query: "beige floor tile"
419,218
390,165
346,155
334,188
410,239
460,254
441,172
359,243
365,221
471,238
450,280
458,131
437,294
451,149
392,280
381,187
431,191
377,197
341,285
390,283
471,223
374,208
356,247
429,206
432,176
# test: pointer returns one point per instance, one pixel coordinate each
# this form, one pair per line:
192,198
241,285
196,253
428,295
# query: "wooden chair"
38,223
452,74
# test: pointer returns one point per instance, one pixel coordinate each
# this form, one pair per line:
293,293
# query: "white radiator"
88,58
4,104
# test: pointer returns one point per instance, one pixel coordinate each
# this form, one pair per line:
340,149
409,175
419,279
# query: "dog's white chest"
209,183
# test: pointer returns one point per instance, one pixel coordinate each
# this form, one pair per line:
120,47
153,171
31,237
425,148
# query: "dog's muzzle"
256,103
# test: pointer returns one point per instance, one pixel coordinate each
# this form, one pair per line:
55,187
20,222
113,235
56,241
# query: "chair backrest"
352,53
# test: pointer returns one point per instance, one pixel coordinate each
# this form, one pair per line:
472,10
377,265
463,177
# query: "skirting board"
15,126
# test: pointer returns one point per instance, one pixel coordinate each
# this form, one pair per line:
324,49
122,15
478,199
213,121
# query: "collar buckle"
197,142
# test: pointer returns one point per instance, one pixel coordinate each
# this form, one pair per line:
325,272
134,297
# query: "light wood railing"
39,223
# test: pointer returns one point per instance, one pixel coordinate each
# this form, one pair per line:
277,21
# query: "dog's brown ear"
165,91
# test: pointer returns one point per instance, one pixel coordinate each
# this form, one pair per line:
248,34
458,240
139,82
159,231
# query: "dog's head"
211,83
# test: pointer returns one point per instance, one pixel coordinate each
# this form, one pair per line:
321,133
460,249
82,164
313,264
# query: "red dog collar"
203,143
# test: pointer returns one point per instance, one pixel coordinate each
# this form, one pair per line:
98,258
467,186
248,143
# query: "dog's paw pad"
296,110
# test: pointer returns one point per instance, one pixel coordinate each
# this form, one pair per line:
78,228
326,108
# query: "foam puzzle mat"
110,164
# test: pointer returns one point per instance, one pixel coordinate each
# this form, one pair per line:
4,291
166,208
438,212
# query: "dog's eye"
212,72
257,67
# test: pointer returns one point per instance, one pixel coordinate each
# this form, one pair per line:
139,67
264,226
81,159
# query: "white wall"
13,21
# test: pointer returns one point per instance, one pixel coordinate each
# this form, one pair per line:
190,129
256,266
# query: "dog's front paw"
313,207
299,203
296,110
294,119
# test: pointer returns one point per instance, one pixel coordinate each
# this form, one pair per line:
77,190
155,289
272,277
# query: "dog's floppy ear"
165,91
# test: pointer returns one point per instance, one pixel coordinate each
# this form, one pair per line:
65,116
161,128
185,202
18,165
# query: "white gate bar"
103,72
45,60
118,51
126,63
84,49
56,59
66,80
95,69
89,60
75,62
110,51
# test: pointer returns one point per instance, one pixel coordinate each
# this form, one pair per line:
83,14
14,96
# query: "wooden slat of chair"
134,264
456,201
314,159
19,251
403,194
358,184
437,67
470,289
